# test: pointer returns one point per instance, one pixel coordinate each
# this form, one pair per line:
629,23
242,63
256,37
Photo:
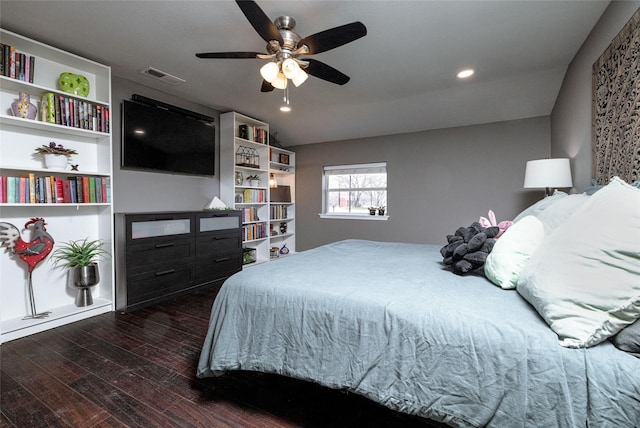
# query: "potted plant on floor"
81,258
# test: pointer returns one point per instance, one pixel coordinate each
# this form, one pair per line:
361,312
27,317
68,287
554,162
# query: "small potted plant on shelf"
254,180
372,210
81,258
381,210
55,155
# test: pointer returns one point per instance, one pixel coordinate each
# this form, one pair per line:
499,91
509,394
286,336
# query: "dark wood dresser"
163,254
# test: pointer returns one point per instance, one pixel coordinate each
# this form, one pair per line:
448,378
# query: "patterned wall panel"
616,107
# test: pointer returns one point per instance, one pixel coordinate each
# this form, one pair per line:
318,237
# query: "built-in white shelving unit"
19,138
269,212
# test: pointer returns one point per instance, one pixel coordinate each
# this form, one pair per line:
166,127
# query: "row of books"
254,231
252,196
250,215
33,189
16,65
67,111
253,133
278,212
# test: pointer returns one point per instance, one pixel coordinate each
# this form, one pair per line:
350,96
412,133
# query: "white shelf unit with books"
282,208
66,219
242,138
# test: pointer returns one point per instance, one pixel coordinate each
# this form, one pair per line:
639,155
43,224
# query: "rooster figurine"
32,252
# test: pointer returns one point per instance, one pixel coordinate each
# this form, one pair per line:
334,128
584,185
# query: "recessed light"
285,108
465,73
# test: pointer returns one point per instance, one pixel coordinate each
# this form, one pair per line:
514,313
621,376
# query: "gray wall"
437,180
136,191
571,116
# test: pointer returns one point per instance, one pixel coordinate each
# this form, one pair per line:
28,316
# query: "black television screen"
167,140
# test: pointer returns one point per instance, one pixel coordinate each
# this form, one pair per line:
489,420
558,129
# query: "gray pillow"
628,339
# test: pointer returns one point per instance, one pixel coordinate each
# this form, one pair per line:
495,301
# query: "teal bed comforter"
386,321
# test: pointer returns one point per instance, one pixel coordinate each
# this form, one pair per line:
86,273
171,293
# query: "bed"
390,322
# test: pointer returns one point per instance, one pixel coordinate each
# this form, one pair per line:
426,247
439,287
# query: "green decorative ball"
74,84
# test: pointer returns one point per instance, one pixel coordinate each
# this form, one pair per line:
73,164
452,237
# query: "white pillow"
512,251
584,279
561,210
540,206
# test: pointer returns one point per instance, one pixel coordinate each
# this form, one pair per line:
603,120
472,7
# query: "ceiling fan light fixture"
290,68
269,71
300,78
280,82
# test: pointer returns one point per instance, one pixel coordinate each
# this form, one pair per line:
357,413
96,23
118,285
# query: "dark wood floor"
138,370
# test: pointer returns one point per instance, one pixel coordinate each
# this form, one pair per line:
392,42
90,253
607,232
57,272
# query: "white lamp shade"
546,173
290,68
300,78
269,71
280,82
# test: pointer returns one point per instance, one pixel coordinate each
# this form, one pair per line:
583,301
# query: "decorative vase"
53,161
284,250
283,227
239,178
82,278
23,108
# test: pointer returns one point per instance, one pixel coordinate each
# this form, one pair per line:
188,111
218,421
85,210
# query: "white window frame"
362,168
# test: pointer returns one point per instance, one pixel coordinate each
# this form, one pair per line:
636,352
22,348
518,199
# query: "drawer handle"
165,272
223,259
220,238
169,244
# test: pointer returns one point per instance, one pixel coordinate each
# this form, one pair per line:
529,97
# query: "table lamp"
547,174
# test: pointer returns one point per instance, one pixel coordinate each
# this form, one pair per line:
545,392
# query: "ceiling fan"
285,47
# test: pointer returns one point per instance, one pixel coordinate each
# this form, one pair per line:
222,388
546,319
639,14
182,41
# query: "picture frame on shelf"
283,158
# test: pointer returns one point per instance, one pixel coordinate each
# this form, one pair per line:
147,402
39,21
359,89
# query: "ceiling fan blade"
266,87
334,37
228,55
325,72
260,21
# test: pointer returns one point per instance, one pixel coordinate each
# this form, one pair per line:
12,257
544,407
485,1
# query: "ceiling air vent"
161,75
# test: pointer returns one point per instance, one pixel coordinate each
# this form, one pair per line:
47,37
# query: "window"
349,190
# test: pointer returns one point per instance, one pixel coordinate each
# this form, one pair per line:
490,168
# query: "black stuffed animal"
468,247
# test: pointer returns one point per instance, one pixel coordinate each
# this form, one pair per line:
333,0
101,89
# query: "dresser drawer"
214,268
221,242
217,221
160,251
157,283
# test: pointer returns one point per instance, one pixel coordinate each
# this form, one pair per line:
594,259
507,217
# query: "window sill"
354,217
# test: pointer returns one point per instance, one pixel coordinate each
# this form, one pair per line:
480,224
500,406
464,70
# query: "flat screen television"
161,138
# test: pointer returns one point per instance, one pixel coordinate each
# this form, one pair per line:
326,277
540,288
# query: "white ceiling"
402,73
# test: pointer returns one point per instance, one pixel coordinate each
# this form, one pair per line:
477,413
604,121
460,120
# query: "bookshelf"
90,135
245,153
